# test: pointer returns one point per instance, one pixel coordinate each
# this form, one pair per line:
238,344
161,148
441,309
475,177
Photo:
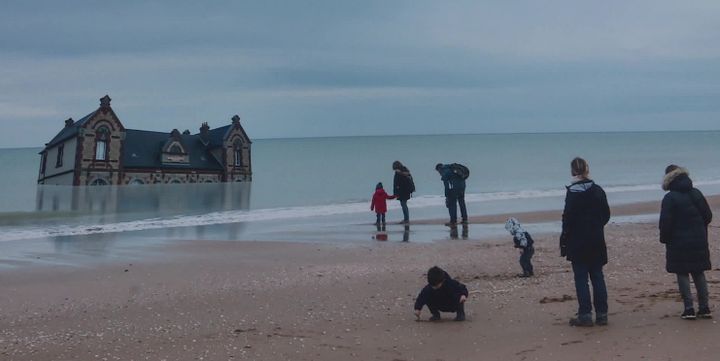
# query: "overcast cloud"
324,68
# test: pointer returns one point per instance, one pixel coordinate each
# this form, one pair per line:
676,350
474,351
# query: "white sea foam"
287,213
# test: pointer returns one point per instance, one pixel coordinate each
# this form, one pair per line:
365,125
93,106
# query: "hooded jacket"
684,217
402,184
521,237
584,218
446,298
378,203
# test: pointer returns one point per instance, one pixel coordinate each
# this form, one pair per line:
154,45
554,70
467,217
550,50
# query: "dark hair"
671,168
397,165
438,166
579,167
379,185
435,275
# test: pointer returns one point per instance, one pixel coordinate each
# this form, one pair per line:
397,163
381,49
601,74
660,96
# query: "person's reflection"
381,235
453,232
406,233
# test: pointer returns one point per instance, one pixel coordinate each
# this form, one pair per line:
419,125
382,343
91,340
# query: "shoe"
464,221
704,312
404,222
451,224
601,319
523,275
460,317
434,318
578,321
688,314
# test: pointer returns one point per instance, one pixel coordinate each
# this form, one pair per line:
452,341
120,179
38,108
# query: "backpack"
460,170
411,184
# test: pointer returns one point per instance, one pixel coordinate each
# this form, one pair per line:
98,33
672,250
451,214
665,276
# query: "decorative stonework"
98,142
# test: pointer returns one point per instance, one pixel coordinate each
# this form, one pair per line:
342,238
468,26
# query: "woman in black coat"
684,218
403,186
582,241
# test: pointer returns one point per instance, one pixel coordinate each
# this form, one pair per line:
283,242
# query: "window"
237,150
136,181
101,143
99,182
176,149
43,162
59,160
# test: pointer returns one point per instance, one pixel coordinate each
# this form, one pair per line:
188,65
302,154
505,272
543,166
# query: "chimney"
205,133
186,132
236,121
105,101
69,122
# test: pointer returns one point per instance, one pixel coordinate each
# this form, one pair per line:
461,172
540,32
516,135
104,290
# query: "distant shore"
215,300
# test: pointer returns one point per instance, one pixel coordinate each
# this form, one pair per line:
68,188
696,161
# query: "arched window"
136,181
237,151
176,149
102,137
99,182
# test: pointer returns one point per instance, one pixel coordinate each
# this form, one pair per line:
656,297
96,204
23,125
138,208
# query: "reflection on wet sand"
454,232
382,234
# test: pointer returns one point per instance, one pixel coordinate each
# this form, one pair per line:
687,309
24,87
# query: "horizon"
438,135
327,69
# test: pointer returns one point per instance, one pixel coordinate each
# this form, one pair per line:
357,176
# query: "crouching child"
524,241
442,294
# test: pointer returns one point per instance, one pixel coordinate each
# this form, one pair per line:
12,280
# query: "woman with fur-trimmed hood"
684,217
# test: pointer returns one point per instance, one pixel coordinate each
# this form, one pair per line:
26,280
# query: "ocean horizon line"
457,134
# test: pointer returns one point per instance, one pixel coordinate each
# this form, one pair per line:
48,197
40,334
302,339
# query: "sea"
319,189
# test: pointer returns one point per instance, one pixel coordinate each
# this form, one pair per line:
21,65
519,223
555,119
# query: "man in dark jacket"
442,293
684,218
583,242
454,192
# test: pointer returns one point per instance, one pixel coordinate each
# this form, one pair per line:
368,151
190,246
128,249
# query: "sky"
345,68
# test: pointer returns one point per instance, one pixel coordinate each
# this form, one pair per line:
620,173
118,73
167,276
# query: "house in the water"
98,150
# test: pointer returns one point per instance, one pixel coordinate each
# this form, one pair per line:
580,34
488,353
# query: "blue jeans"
700,285
599,299
453,199
406,212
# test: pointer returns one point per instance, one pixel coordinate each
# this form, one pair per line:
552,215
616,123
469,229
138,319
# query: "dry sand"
209,300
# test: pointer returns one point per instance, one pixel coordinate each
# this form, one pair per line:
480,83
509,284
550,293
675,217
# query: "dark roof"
69,132
217,135
142,149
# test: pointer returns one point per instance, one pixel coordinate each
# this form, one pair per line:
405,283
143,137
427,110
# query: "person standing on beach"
684,218
379,205
453,177
582,241
523,241
403,187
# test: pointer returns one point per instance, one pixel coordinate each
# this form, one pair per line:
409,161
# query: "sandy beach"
211,300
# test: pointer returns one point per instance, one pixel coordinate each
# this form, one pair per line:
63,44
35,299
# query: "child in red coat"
378,203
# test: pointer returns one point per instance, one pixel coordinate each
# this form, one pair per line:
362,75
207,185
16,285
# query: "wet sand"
210,300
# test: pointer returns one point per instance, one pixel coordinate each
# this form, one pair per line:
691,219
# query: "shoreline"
220,300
